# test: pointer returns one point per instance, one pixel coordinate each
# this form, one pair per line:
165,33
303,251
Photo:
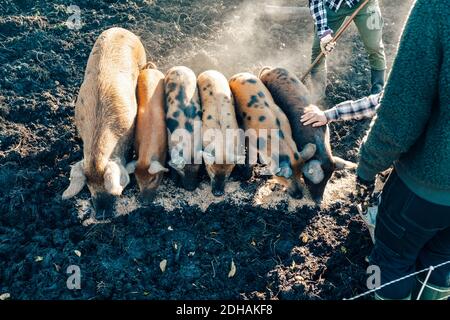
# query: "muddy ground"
282,249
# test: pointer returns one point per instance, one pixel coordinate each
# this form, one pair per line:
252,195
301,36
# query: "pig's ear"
313,171
172,165
342,164
124,176
77,181
285,172
131,167
177,162
116,178
157,167
208,157
308,151
240,159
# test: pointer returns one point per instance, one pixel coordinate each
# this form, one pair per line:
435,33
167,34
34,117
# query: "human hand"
314,116
327,44
364,192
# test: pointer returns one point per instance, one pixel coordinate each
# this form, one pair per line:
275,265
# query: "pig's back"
292,96
106,106
217,101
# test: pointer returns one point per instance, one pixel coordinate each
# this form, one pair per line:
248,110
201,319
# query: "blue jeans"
411,234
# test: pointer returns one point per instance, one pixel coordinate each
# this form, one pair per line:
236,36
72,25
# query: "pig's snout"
189,179
104,204
147,196
317,193
296,193
190,184
218,186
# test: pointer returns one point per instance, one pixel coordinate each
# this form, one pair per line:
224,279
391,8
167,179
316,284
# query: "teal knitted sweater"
412,127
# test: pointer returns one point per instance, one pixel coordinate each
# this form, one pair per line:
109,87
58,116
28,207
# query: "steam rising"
253,36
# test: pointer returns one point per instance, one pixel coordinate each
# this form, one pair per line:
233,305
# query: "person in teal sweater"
411,131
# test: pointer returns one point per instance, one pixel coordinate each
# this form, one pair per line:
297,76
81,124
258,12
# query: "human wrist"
365,174
331,115
325,33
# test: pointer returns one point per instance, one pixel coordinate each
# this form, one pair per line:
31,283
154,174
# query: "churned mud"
281,248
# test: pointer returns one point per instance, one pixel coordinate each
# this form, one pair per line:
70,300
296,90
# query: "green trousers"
369,22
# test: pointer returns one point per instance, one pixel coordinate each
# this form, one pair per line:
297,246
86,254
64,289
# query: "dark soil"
310,253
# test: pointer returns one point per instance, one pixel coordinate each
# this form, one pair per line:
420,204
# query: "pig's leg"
245,171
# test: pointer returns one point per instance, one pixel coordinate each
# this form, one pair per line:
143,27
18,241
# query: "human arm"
410,93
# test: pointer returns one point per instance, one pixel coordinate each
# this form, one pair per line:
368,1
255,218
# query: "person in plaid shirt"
348,110
329,15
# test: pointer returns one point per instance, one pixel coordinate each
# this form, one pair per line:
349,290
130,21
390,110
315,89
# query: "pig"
183,119
151,133
105,113
257,110
219,118
292,96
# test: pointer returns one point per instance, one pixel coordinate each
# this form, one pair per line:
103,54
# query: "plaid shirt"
319,13
355,110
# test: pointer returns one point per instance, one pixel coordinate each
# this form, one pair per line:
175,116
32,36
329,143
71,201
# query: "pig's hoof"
318,200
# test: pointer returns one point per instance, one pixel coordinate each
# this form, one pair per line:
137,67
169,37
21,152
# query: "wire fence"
429,269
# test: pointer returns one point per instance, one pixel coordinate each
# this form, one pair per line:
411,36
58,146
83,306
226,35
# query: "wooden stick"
336,38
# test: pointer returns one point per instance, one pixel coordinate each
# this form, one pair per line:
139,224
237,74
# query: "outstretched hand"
314,116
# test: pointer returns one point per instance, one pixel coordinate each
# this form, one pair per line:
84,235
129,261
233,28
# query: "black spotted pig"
105,113
183,119
219,123
258,111
292,96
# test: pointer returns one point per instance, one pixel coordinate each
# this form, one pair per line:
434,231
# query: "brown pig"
105,113
219,128
258,111
151,133
292,96
183,119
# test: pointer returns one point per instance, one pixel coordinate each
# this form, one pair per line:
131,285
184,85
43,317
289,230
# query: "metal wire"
429,269
425,282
